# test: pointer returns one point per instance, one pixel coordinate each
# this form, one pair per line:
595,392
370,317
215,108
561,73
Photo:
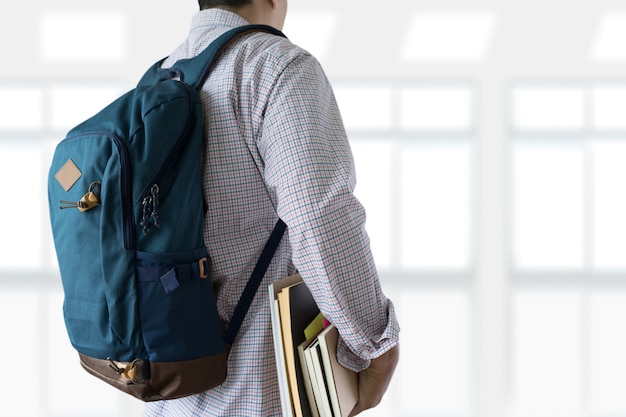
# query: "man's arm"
309,165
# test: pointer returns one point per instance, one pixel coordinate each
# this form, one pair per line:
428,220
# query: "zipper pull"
150,212
154,191
145,218
87,202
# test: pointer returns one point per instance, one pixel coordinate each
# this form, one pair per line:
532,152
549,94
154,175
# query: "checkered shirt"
276,147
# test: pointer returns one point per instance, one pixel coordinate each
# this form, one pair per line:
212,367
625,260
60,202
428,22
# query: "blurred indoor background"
490,143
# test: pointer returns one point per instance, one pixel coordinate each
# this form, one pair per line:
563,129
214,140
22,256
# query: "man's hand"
373,381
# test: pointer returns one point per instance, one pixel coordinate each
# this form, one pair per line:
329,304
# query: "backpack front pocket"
177,307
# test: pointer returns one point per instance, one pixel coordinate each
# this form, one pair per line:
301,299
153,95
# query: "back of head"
228,4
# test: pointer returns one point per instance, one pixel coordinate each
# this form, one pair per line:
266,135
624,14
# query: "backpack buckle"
204,273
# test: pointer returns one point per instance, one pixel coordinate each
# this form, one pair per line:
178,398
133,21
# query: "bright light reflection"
436,206
437,108
83,36
373,160
609,221
365,107
313,31
609,107
609,42
449,36
548,206
21,108
24,208
73,105
548,108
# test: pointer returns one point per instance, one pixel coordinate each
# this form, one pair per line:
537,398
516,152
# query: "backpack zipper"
126,185
150,196
127,194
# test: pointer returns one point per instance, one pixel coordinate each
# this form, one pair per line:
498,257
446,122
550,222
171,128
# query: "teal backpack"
127,216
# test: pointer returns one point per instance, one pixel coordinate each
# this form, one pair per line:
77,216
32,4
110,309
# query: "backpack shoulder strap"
255,280
194,71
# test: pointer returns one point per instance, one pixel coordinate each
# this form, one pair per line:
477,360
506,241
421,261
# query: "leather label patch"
68,175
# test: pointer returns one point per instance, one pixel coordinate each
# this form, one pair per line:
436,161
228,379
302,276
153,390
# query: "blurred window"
568,246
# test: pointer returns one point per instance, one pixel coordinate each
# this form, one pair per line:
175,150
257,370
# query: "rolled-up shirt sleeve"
308,166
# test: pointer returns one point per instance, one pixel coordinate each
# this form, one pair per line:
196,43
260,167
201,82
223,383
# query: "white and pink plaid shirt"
276,147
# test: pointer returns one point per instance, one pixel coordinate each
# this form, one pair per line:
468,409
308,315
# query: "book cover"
322,398
274,289
297,309
342,383
312,382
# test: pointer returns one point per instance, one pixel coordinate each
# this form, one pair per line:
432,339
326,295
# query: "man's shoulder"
263,47
252,48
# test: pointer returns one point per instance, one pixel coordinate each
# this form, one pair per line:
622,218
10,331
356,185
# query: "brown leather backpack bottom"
160,380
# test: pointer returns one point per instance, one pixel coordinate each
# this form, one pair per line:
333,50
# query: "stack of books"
312,382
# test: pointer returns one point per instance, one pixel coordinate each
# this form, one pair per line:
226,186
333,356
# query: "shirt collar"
214,18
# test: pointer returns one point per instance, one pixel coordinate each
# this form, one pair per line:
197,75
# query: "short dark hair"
235,4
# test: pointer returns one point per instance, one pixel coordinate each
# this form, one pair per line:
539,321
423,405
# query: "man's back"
276,147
